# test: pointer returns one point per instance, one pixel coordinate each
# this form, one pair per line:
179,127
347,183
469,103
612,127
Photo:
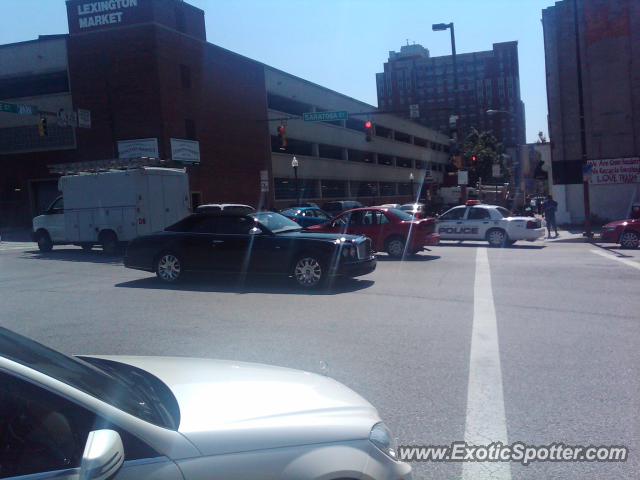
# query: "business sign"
612,171
84,118
185,151
18,108
86,15
143,147
325,116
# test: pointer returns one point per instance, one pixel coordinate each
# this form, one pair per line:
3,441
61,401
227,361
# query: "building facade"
592,57
487,80
151,82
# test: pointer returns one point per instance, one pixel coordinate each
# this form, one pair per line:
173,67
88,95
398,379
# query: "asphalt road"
567,317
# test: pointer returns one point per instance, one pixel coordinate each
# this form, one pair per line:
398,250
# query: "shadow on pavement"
74,255
485,244
617,250
254,284
409,258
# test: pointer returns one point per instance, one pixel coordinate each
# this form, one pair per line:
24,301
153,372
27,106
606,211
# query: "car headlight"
381,437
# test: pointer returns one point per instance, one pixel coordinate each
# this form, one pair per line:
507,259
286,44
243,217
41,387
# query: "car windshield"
401,214
275,222
80,375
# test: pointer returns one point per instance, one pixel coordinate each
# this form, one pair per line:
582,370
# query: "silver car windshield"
275,222
79,374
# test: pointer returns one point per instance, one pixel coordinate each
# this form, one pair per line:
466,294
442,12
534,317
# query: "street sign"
264,181
587,172
463,177
84,118
414,111
495,170
325,116
18,108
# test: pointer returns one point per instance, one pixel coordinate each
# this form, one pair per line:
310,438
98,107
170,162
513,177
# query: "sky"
342,44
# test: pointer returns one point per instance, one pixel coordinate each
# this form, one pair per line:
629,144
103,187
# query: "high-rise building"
487,80
592,56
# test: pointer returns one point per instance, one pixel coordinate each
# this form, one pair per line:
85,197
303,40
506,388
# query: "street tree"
481,151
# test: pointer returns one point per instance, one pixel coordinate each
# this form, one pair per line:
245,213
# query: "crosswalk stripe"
610,256
486,420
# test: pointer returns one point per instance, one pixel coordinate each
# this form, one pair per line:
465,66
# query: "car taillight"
532,224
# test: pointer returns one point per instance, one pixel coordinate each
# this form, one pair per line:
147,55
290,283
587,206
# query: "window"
334,188
478,213
189,129
381,218
57,206
185,76
454,214
234,225
48,432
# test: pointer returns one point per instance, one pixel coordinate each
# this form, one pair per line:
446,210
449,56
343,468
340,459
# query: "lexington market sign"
105,12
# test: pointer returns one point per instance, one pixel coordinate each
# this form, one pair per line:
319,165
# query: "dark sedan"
264,242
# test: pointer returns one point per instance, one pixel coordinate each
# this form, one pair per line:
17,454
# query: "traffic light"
282,135
474,159
43,130
368,130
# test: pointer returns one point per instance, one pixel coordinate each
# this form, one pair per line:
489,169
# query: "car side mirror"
255,231
103,455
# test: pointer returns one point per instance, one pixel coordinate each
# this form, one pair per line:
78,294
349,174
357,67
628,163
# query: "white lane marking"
611,256
486,420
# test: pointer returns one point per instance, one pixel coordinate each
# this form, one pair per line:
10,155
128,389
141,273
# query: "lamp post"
439,27
294,165
411,181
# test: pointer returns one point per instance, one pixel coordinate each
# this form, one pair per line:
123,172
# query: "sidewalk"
15,235
572,234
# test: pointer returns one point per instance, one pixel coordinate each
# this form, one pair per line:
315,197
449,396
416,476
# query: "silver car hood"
229,407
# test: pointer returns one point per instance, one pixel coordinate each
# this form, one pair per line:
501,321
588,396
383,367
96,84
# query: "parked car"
226,207
624,232
305,204
495,224
418,210
112,207
391,230
179,418
339,206
306,216
263,242
389,205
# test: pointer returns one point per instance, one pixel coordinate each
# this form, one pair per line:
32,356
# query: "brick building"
592,58
487,80
153,84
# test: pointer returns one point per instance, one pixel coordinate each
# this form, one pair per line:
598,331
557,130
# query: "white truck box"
128,203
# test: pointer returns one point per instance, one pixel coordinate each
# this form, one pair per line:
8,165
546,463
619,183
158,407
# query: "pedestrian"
549,208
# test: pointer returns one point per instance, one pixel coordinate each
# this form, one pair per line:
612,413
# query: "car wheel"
169,267
629,240
109,242
87,247
44,242
395,247
308,271
497,238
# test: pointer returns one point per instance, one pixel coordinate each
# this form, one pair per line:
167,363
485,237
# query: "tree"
481,151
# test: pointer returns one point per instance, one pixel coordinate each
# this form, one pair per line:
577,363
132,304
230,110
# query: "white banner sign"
615,170
143,147
185,151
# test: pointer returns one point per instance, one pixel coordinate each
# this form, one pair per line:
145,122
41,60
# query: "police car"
495,224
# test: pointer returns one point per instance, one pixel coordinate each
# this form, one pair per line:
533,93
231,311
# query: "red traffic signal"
474,158
368,130
282,135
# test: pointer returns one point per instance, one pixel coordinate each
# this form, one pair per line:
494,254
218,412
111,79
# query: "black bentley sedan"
262,242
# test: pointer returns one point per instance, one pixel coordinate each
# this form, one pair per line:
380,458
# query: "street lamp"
440,27
411,180
294,165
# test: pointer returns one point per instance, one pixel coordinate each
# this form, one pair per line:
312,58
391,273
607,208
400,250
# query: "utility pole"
583,134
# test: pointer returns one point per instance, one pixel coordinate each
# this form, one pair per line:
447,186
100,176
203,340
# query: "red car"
624,232
390,230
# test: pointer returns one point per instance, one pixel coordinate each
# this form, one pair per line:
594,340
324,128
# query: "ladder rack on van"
95,166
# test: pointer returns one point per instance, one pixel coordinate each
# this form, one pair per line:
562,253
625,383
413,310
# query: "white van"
112,207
